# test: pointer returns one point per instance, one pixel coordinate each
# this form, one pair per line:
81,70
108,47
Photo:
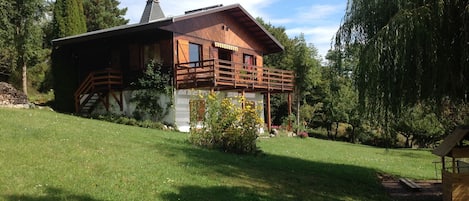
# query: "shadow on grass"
274,177
52,194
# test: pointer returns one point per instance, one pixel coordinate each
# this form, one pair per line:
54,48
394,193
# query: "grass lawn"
50,156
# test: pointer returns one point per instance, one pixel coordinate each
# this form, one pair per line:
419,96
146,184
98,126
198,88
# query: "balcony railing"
227,75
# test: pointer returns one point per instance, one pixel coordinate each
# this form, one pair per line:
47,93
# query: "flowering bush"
303,134
226,125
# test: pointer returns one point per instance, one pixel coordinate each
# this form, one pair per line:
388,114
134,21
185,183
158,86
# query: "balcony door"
225,57
226,69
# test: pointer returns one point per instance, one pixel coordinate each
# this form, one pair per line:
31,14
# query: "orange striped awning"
225,46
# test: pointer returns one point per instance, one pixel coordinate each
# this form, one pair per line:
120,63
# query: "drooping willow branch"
410,50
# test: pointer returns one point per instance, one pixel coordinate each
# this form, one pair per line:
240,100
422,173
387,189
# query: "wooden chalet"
218,48
455,174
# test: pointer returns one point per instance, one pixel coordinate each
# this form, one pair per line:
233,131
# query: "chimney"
152,11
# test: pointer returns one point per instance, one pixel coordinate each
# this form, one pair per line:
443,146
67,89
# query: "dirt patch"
11,97
431,189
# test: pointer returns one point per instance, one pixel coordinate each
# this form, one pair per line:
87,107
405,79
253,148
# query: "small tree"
152,87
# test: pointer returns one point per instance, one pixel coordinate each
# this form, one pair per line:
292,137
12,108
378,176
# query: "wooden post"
269,115
243,96
443,166
454,165
289,111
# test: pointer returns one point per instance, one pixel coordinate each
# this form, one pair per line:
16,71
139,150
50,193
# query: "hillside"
50,156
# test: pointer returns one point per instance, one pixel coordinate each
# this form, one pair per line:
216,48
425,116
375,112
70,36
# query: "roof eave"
111,32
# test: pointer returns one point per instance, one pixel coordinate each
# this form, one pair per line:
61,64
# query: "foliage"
409,51
419,125
23,56
300,57
226,125
69,18
102,14
119,119
7,54
153,95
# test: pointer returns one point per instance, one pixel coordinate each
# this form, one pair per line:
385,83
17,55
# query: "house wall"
179,113
182,108
129,106
216,27
455,186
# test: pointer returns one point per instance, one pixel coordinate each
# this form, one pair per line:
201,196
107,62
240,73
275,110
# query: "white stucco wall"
129,107
179,113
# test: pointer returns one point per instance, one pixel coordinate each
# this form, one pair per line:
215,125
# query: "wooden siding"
217,27
455,186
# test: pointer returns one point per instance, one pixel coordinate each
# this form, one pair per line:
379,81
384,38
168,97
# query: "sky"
318,20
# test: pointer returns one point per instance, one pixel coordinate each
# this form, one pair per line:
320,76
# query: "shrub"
152,86
118,119
226,125
303,134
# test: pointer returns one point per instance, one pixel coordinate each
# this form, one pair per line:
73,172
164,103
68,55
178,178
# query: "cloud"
320,36
318,12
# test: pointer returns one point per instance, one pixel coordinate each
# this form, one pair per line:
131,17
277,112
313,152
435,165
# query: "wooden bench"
410,184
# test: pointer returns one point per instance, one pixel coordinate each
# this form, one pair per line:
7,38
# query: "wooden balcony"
226,75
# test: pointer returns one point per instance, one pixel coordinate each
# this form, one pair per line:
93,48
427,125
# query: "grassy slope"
50,156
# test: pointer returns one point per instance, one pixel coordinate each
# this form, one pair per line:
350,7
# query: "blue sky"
318,20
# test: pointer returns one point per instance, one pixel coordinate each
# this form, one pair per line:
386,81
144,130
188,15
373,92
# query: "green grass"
50,156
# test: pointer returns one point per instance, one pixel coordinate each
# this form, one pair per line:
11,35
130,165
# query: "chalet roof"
235,10
451,141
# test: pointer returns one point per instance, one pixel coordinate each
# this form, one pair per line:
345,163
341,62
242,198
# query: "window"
195,54
197,107
248,61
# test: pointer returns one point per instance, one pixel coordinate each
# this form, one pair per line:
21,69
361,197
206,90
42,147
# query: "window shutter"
183,51
259,61
260,69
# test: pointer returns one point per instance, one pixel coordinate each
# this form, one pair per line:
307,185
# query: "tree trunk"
336,130
24,78
352,135
298,115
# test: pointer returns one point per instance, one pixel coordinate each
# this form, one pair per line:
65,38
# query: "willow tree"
410,50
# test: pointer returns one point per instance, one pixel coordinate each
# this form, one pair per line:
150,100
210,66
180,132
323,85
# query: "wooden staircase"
99,87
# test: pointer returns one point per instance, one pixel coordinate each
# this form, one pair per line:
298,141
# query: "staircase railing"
102,81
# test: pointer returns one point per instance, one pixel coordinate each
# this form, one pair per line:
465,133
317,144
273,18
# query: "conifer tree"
102,14
69,18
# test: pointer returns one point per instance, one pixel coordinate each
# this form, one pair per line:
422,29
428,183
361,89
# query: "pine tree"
102,14
69,18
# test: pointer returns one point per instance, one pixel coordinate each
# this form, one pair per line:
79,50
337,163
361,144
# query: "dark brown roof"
235,10
451,141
